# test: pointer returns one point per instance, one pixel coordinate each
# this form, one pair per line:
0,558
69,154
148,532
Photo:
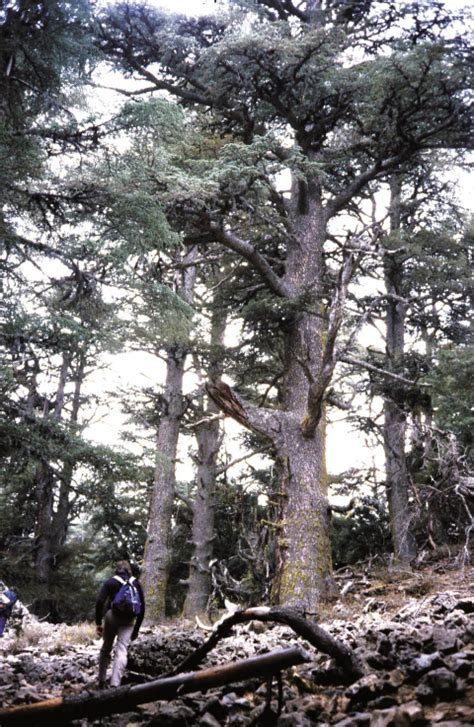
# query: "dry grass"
50,638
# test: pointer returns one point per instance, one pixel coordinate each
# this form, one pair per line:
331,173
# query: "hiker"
8,598
119,612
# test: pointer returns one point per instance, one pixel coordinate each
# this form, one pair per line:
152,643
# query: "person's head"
123,566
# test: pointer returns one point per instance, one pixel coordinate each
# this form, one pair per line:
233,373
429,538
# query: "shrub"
361,534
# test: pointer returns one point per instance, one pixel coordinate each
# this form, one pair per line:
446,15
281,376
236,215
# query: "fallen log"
346,660
61,710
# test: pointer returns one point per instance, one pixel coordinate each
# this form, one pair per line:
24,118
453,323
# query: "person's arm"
99,607
139,619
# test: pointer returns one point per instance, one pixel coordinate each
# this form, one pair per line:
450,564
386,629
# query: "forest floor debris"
414,632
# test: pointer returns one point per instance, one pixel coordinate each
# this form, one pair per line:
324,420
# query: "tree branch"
380,167
248,251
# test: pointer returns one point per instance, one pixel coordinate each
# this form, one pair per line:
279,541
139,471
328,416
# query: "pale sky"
191,7
188,7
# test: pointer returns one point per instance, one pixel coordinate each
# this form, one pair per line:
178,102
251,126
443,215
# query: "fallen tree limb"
61,710
344,657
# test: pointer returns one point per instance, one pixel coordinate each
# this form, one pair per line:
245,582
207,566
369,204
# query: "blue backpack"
126,602
9,598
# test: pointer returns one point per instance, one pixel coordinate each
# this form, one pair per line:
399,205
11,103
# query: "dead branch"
112,701
317,390
206,420
232,463
314,634
381,372
258,419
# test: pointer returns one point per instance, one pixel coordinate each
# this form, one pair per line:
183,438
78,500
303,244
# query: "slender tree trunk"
158,545
437,531
53,517
44,498
44,486
208,439
397,477
60,520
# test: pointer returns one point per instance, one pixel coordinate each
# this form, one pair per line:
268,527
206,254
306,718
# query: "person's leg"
110,632
124,634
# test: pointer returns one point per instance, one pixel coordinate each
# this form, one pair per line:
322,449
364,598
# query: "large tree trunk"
303,569
208,439
158,545
203,533
297,430
397,478
303,545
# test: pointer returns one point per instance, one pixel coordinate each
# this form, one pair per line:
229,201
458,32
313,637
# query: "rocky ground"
413,631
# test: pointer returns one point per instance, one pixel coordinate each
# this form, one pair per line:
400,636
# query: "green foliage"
180,556
162,319
453,396
108,515
47,51
360,535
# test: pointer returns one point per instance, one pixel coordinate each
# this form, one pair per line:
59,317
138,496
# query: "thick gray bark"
303,546
158,545
397,478
208,439
199,579
302,528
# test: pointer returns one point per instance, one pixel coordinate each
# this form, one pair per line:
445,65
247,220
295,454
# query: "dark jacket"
107,593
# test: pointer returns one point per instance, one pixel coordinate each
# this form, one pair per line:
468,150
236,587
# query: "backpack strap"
132,579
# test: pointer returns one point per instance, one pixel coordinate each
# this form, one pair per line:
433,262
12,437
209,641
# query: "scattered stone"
295,719
207,720
419,668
